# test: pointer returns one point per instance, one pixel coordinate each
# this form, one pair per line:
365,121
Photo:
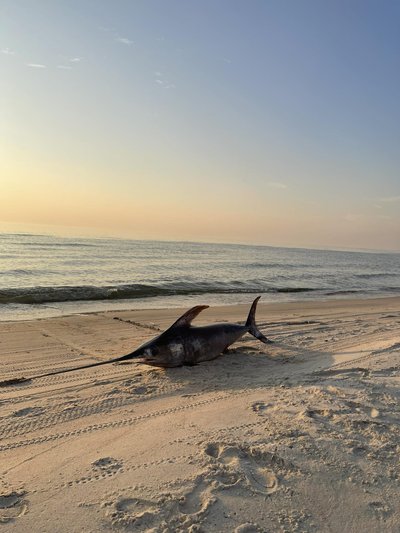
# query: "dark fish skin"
184,344
191,345
181,344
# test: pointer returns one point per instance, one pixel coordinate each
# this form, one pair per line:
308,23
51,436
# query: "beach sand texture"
301,435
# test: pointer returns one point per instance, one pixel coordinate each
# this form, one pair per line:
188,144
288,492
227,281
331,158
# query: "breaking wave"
38,295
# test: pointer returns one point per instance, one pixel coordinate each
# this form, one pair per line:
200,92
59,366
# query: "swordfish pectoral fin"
186,318
251,324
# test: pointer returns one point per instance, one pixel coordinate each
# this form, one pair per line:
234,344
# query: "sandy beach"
299,436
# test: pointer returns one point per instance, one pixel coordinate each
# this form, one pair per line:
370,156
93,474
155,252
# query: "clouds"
36,65
63,66
123,40
165,84
390,199
387,202
66,64
161,81
277,185
117,38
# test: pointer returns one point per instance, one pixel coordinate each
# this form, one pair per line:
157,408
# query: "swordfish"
181,344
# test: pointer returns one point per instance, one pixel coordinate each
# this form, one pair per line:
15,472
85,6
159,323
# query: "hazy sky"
273,122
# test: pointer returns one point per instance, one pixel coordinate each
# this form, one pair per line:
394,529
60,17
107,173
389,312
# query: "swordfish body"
184,344
181,344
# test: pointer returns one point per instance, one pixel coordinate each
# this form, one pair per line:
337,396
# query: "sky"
270,122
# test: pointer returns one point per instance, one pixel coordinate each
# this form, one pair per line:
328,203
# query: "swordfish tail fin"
251,323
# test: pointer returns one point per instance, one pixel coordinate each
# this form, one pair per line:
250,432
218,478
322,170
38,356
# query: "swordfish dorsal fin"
186,318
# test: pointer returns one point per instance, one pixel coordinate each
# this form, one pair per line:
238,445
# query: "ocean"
43,275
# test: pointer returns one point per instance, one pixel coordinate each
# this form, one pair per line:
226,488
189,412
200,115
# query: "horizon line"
185,241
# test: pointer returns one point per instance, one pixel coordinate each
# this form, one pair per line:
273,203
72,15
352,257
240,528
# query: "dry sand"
302,435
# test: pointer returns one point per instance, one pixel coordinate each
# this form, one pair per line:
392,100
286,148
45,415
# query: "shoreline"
263,438
191,301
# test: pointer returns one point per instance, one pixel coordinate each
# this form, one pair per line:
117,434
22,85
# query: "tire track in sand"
102,403
125,421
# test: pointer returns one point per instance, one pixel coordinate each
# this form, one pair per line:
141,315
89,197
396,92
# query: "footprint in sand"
107,464
12,505
379,509
260,408
29,411
136,386
136,512
182,512
253,465
198,499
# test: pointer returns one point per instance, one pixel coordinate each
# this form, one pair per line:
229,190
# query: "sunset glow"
255,122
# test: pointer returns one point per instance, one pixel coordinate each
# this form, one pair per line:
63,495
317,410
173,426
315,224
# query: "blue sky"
273,122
